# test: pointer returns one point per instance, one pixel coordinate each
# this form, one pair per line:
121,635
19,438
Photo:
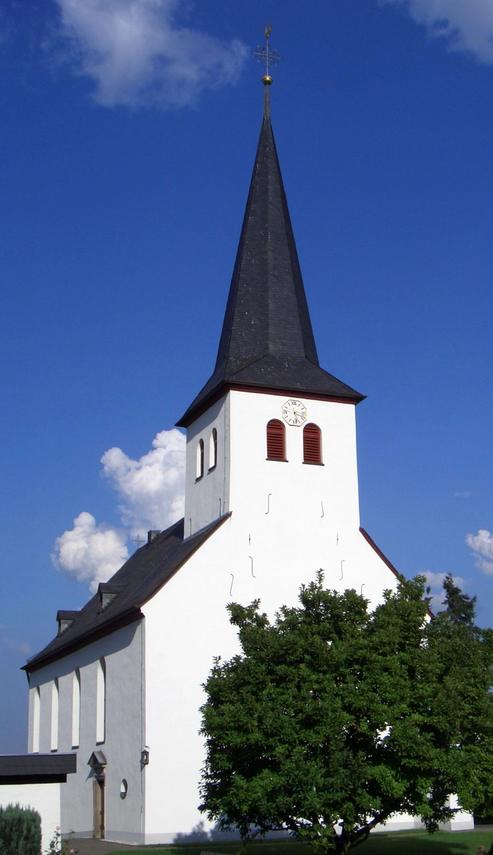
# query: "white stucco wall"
207,498
44,798
123,652
288,520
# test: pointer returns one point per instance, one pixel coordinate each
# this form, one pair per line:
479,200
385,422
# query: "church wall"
311,490
123,652
207,498
267,549
186,626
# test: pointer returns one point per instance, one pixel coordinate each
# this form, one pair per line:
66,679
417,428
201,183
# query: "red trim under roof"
381,555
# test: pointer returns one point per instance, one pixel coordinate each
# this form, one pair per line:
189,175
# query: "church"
271,497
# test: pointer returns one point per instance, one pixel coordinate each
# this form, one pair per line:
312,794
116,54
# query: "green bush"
20,831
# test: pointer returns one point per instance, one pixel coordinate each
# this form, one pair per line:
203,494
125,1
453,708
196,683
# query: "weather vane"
265,55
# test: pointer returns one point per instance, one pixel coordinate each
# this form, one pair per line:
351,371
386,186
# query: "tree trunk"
343,844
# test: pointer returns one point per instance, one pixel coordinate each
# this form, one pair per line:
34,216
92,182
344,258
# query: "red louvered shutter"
276,446
312,444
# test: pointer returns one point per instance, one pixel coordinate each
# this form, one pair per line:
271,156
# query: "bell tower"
267,376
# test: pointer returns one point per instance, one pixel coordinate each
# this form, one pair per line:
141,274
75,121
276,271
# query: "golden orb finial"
266,55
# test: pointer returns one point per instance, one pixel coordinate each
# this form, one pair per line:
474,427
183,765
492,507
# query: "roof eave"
196,410
121,620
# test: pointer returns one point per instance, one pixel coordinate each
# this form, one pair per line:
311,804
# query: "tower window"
200,460
276,440
312,444
213,449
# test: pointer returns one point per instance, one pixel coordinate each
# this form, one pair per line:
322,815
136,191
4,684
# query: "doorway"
98,807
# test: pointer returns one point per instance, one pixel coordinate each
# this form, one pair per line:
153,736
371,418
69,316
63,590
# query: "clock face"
294,412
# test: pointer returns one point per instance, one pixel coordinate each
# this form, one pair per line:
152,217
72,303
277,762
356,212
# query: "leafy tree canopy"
333,716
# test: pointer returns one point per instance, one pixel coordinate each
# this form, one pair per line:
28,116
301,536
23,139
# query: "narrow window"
200,460
36,719
54,716
276,440
101,701
312,444
213,449
76,709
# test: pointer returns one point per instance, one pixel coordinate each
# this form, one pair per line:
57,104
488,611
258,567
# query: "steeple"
267,338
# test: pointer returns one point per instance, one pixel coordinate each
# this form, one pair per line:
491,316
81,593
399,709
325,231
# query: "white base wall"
44,798
187,624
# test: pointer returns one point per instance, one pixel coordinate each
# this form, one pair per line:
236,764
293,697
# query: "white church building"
271,497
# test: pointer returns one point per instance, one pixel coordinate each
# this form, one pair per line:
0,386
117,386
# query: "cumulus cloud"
467,25
435,582
137,54
150,491
482,548
90,552
150,488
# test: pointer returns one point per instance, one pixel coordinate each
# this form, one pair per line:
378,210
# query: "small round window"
123,788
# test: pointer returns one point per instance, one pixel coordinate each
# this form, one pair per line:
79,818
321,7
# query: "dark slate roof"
148,569
36,768
267,338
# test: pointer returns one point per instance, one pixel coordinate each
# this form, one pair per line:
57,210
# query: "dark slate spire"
267,338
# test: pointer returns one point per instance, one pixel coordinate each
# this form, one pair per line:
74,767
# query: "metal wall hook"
251,566
342,569
231,586
323,512
268,503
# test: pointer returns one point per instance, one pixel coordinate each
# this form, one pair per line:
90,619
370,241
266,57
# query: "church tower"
270,427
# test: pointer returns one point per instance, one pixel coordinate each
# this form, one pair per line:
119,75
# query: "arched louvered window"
213,449
276,440
200,460
312,444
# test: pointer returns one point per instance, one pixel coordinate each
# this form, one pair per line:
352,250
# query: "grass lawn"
401,843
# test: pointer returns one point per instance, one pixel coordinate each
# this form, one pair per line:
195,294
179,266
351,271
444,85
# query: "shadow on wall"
199,834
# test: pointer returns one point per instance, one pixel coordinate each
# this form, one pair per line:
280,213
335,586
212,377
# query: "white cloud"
90,552
137,54
482,547
467,25
151,494
150,488
435,582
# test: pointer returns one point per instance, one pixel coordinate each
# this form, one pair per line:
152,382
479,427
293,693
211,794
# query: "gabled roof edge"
41,660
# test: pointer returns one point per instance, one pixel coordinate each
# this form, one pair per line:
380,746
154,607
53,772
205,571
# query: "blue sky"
128,134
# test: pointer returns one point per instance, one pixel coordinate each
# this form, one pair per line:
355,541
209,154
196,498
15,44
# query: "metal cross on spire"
269,57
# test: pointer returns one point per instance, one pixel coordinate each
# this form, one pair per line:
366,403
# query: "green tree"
334,716
461,608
